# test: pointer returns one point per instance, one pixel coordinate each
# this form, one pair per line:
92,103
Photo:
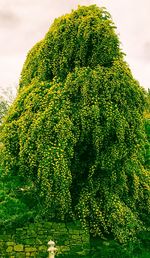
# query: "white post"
51,249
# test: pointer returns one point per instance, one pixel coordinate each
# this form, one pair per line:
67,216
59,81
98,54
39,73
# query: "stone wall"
31,240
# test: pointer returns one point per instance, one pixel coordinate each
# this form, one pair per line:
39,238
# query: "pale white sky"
24,22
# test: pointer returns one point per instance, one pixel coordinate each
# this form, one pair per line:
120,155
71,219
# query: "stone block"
83,252
10,243
67,242
59,226
2,243
76,237
30,249
64,249
76,248
9,249
42,248
31,233
18,248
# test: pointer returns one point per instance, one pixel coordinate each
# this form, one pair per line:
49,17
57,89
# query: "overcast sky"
24,22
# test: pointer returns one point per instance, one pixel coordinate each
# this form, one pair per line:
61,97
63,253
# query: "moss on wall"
31,240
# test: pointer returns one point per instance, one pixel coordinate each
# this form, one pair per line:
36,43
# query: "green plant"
3,108
76,128
147,155
15,206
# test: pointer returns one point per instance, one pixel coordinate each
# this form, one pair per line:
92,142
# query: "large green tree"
76,128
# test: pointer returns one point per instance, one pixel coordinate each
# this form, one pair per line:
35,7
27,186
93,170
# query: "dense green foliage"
147,154
76,129
84,38
3,108
147,130
16,200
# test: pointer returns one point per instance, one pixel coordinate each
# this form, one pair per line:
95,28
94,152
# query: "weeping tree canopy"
76,129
